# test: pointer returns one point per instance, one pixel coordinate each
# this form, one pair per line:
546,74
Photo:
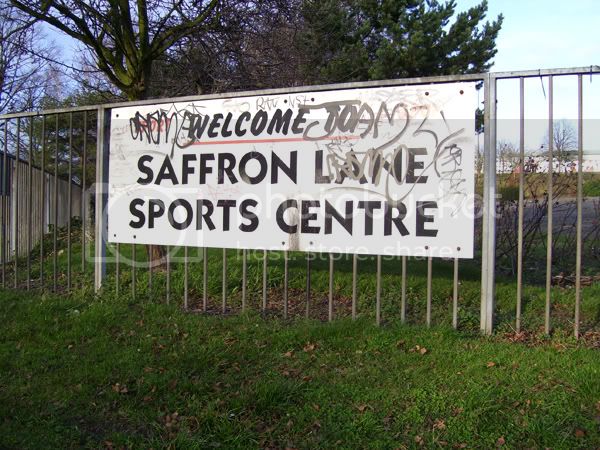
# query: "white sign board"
379,171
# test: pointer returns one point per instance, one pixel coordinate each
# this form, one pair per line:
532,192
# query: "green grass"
534,294
76,372
79,370
536,185
591,188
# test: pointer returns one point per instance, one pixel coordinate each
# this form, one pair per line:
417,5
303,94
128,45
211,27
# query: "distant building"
539,164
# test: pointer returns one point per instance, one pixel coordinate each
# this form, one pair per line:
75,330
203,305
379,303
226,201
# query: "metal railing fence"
59,153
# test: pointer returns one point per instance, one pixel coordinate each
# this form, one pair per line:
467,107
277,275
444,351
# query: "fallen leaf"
309,347
419,440
439,424
288,354
306,378
579,433
500,442
363,407
491,364
418,349
171,420
316,407
120,389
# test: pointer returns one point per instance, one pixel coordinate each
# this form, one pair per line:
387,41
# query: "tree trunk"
157,254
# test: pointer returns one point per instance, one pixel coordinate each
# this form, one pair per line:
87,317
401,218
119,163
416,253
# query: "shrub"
591,188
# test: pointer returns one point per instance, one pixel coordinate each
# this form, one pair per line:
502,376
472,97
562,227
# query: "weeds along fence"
54,225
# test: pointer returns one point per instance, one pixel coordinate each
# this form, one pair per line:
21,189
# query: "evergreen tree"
351,40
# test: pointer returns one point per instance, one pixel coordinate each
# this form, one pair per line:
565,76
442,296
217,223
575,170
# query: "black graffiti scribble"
185,127
162,126
382,164
377,165
451,176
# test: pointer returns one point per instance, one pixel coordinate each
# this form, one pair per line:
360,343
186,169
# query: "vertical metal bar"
378,292
550,203
455,296
204,279
579,203
29,202
42,205
55,207
5,207
330,303
185,278
285,284
16,194
133,267
403,293
354,292
117,269
429,278
224,287
244,278
150,263
488,260
69,200
102,152
307,312
83,196
168,275
264,282
521,203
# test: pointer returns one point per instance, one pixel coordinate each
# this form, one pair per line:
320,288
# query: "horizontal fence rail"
54,172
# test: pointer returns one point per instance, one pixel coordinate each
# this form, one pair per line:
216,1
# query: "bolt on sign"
384,170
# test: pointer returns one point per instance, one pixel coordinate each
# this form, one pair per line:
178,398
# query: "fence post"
102,149
488,242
